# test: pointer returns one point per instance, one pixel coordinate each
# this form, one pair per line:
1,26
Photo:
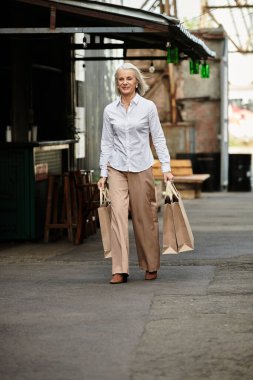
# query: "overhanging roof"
136,28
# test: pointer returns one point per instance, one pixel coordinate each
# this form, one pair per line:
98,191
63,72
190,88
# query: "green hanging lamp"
205,70
194,66
172,55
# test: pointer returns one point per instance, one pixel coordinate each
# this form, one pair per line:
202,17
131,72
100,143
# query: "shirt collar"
134,100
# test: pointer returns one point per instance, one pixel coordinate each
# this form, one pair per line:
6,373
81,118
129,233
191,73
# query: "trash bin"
205,163
239,177
209,163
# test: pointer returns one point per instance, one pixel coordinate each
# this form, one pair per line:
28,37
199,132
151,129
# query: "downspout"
224,117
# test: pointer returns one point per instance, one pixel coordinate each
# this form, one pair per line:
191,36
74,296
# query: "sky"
188,8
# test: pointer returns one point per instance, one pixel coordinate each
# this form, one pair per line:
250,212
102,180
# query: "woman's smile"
127,82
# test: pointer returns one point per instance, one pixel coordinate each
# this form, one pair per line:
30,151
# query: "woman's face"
126,82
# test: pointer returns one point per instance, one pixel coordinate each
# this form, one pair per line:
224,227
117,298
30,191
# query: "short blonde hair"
142,85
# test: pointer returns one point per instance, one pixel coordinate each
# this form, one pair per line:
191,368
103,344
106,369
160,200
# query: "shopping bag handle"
104,196
171,190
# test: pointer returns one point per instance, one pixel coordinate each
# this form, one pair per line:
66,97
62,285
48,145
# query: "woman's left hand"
168,176
101,183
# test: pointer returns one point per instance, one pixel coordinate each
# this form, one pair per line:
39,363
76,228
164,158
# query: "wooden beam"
228,6
52,17
108,46
129,58
172,93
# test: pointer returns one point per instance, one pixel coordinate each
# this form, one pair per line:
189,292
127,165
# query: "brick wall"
205,116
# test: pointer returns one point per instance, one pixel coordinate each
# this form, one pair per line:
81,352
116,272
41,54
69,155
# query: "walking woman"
126,162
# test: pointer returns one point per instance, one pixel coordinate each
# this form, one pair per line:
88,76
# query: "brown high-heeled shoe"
150,275
119,278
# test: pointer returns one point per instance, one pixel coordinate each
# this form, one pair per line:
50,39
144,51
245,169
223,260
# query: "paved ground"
60,319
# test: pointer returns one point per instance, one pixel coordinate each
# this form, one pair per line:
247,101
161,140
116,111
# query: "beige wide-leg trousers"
137,191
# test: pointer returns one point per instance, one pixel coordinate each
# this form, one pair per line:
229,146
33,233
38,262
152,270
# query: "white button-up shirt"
125,142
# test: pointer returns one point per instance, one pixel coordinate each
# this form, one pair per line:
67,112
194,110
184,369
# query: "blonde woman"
126,162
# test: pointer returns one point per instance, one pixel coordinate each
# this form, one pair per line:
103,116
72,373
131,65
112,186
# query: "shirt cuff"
104,173
166,167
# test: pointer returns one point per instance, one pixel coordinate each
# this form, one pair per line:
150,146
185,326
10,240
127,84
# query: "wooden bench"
187,183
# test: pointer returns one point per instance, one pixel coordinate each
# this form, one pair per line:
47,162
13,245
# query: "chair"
58,209
87,202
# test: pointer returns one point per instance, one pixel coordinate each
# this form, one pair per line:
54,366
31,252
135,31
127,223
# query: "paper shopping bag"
183,232
169,233
104,214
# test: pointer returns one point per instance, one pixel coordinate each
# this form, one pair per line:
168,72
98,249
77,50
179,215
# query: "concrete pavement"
60,319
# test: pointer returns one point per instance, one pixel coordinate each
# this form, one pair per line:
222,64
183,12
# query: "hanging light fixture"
205,70
172,55
151,68
194,66
85,42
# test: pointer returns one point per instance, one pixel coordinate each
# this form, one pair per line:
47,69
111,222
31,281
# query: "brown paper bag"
169,233
104,214
185,239
183,233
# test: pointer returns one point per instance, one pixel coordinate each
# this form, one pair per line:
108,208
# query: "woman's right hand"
101,183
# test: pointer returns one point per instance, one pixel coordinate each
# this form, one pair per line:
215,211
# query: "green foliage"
192,23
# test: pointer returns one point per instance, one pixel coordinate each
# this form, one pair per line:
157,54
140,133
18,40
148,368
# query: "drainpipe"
224,117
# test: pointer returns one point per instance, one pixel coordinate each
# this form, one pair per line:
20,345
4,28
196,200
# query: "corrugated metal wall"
99,91
53,158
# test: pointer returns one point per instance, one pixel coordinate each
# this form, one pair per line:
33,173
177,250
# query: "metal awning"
136,28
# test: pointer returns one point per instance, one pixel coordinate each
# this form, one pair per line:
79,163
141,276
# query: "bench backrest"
178,168
181,167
